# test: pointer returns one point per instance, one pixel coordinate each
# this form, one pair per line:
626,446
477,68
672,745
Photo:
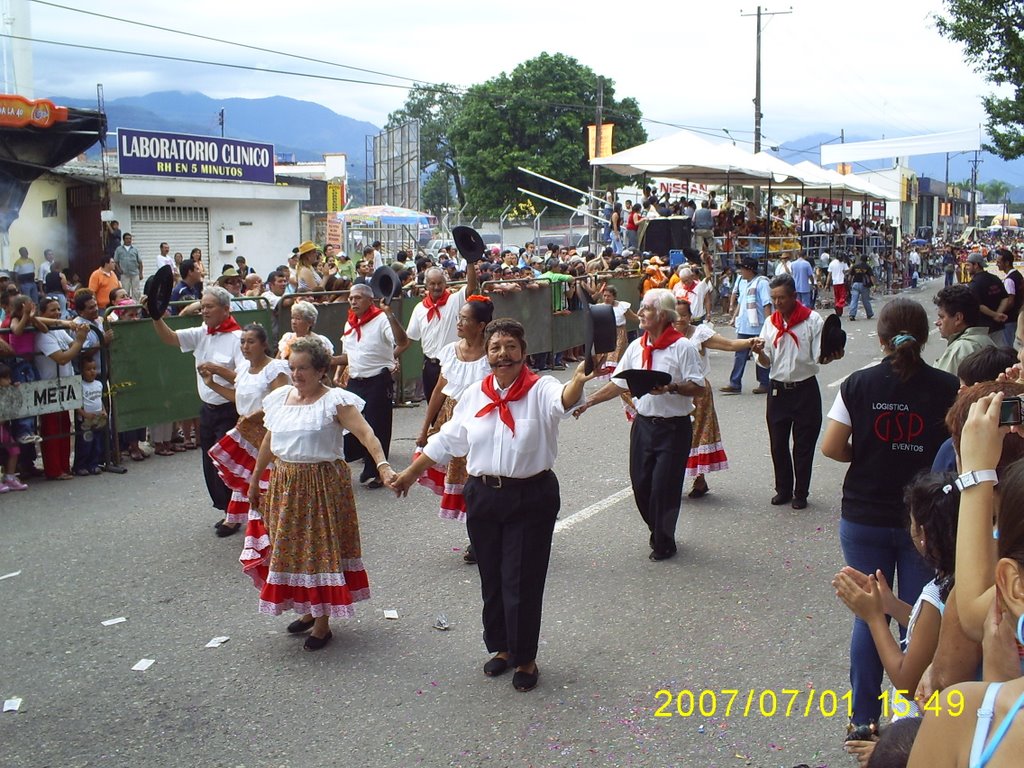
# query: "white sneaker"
26,439
4,488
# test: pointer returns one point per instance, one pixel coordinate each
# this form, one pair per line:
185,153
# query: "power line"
246,67
225,42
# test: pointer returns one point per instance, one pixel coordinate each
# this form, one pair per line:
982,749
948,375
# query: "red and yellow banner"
18,112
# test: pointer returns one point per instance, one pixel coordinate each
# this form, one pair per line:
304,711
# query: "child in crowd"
933,502
19,320
90,423
8,444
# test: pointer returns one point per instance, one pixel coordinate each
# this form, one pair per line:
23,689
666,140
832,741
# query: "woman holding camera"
887,423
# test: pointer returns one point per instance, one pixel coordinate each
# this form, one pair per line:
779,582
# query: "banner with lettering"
154,153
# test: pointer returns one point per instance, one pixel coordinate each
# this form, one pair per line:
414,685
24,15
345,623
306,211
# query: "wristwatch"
970,479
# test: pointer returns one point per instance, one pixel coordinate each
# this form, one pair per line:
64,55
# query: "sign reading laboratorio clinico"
34,398
154,153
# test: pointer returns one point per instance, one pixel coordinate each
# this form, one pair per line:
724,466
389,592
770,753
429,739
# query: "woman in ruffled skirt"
313,554
463,363
234,455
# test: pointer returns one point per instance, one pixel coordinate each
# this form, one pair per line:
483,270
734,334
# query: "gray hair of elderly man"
361,288
661,300
304,310
220,295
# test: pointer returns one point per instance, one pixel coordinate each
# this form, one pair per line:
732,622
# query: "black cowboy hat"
641,381
598,333
833,337
469,244
158,291
385,284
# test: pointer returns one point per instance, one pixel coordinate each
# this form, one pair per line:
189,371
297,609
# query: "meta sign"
153,153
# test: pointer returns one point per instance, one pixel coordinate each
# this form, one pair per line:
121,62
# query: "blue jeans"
740,364
805,299
949,279
861,293
869,548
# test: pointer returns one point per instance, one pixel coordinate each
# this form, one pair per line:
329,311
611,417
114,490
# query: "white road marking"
593,509
837,382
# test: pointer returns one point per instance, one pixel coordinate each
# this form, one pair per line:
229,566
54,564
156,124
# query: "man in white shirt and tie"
434,321
372,342
507,428
791,347
660,439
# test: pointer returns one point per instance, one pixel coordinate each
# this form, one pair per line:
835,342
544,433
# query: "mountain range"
306,130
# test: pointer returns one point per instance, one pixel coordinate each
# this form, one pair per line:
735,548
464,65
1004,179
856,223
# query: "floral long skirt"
312,554
447,480
706,453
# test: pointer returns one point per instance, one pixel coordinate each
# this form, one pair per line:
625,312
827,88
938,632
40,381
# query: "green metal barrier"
152,382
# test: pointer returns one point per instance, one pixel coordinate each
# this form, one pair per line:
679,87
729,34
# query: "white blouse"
460,374
620,308
702,333
251,388
307,433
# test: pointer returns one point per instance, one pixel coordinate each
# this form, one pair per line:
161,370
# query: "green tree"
535,117
436,107
990,31
995,191
435,194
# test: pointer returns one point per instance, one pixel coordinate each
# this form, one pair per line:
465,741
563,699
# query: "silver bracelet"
382,463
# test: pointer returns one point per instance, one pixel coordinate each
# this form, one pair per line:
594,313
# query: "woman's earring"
1020,629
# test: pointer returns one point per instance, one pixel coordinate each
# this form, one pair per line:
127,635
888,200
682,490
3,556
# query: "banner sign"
153,153
606,140
37,397
17,111
335,198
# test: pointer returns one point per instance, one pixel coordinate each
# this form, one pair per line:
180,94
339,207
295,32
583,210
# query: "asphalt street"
746,606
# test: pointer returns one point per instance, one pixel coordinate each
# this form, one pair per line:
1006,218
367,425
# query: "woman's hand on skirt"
254,494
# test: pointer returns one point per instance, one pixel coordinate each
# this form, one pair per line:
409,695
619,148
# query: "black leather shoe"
468,556
496,666
661,554
781,498
228,530
299,626
525,681
799,503
314,643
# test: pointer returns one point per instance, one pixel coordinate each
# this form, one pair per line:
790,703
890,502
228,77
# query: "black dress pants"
214,422
431,373
793,410
510,529
658,450
378,392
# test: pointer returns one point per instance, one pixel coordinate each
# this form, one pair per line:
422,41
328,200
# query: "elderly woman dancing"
235,454
315,565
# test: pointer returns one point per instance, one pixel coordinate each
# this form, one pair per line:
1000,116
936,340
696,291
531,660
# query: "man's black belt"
434,360
498,481
663,419
794,384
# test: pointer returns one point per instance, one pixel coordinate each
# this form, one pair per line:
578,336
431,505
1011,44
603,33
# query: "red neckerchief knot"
667,338
356,322
434,307
227,326
797,316
524,381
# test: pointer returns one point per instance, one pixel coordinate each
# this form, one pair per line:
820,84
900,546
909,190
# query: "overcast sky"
876,69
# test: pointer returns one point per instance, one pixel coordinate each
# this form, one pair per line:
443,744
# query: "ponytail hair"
903,328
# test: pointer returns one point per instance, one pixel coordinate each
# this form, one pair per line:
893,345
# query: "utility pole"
757,87
757,73
595,181
220,119
974,188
